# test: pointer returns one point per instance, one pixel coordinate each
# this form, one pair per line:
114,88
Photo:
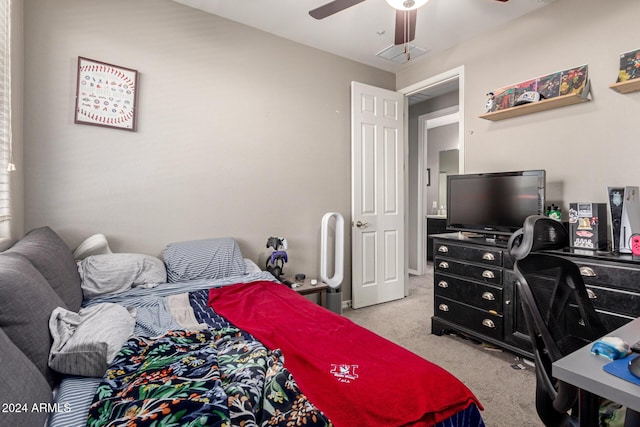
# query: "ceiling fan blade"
405,26
333,7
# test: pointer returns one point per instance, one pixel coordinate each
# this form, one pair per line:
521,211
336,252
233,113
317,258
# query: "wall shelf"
543,105
534,107
626,87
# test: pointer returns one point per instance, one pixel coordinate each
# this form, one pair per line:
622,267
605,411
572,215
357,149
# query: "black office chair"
557,310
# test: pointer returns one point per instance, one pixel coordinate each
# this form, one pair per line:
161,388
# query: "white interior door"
378,195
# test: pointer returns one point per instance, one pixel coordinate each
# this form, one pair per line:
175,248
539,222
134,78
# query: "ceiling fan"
406,12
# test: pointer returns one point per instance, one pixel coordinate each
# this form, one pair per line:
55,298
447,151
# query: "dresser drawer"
577,327
618,276
615,300
604,298
484,296
479,255
614,307
481,321
484,274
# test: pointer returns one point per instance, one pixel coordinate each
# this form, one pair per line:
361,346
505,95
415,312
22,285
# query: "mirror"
442,160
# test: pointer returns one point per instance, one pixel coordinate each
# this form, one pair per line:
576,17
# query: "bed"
201,337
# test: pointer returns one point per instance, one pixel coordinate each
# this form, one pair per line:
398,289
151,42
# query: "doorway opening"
431,99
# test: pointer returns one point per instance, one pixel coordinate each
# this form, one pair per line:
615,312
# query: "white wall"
240,133
584,147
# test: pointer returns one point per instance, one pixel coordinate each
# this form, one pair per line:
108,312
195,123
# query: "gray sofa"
37,274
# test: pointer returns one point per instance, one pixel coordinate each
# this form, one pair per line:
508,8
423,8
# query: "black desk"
584,370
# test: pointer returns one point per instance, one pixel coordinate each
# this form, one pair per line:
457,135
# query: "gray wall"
240,133
245,134
584,147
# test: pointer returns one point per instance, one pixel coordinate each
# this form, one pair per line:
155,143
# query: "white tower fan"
334,293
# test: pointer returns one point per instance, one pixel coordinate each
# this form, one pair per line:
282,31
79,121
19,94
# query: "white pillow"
119,272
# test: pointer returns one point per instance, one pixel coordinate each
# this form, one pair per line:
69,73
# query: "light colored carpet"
507,394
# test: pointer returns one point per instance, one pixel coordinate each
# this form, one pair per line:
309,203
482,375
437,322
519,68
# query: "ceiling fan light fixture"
406,4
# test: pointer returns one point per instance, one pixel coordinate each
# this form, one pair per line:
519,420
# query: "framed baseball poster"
106,95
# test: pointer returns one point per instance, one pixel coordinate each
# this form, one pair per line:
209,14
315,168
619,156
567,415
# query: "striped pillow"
82,345
113,273
203,259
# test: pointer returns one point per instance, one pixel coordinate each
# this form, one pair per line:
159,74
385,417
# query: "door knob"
361,224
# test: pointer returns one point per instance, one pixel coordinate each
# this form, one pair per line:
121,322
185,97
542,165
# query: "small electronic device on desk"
305,285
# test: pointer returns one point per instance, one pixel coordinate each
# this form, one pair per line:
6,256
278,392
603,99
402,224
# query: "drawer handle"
443,284
488,256
488,296
442,248
443,307
488,274
443,264
591,294
587,271
488,323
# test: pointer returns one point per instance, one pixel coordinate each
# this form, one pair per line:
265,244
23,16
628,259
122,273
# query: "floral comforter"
215,377
224,376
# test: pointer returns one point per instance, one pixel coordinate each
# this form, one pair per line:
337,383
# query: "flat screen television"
494,203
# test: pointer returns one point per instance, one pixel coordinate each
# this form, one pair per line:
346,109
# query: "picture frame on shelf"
549,85
574,80
503,98
629,66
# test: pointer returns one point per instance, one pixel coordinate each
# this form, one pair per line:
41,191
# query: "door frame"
424,85
432,120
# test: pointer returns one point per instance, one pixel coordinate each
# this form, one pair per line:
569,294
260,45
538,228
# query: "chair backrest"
554,298
552,289
537,233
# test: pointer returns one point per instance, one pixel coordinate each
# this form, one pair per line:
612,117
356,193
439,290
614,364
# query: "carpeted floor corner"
506,393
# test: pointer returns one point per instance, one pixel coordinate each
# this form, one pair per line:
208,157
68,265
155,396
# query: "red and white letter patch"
344,373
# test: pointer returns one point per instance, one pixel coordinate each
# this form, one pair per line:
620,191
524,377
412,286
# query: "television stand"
475,290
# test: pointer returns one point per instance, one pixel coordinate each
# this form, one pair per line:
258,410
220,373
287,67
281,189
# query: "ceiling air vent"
397,54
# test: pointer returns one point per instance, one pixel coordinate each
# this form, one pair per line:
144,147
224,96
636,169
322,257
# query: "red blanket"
354,376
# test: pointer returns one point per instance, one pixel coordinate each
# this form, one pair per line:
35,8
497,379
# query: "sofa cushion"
25,307
22,384
54,260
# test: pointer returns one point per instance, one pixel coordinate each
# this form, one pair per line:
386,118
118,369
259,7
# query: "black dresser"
475,290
